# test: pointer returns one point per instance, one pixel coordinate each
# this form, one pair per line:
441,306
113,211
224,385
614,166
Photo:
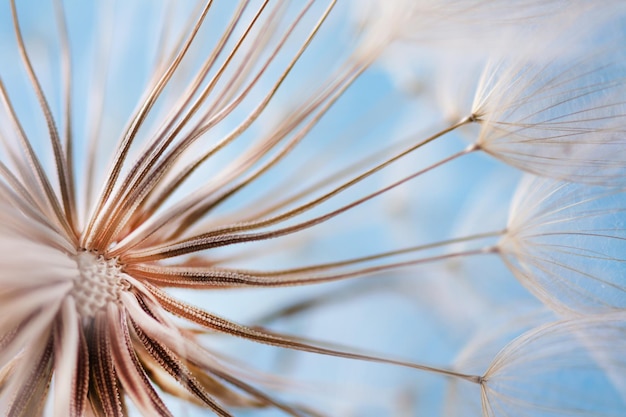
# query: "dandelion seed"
565,243
486,344
561,117
452,23
542,371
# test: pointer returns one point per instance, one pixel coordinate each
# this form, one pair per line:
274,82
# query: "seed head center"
99,282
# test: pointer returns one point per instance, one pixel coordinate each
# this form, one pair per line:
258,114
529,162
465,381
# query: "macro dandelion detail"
159,158
564,231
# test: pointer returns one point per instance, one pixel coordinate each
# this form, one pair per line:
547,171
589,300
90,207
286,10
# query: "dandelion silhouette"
95,259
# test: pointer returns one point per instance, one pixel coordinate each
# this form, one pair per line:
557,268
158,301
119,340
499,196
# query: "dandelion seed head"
240,134
99,282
